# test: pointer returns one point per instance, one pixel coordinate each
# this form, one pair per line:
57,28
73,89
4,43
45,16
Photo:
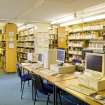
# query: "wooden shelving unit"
41,42
25,44
8,46
97,45
53,37
1,50
79,38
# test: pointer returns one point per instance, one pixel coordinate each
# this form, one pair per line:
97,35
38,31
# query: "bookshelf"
8,45
53,37
2,54
80,37
97,45
1,50
41,42
25,44
62,37
62,40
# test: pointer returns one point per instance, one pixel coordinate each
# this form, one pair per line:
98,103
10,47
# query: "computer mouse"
99,97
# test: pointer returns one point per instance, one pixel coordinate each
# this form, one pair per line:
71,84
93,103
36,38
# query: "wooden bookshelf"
53,37
97,45
1,50
83,36
62,37
42,42
25,44
9,48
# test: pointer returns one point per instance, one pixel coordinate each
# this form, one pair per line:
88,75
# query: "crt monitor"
60,55
40,58
84,51
95,63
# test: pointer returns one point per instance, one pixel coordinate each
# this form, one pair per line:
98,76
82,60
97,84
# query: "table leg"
55,94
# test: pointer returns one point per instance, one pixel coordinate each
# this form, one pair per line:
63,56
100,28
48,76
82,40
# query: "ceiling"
41,10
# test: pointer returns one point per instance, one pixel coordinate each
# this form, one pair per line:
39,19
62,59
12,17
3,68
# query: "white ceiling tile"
41,10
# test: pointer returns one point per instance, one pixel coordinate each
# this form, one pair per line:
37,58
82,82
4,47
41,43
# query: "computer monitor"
60,55
40,58
95,63
84,51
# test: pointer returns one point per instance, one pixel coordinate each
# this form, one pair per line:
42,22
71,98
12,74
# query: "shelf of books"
53,37
86,35
25,44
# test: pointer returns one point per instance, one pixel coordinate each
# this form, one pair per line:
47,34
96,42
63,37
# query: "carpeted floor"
10,92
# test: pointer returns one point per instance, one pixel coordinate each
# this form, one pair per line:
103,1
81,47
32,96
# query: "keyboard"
82,89
49,72
36,66
94,75
53,73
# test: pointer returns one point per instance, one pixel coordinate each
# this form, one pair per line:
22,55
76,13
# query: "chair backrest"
38,82
19,72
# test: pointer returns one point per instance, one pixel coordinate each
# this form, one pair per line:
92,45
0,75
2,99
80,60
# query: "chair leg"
22,89
28,83
34,101
60,98
21,86
48,99
32,90
35,96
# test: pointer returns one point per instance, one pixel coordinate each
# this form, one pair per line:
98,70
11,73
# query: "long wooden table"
62,81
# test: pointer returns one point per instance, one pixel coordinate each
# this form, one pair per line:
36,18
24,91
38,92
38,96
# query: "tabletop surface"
64,82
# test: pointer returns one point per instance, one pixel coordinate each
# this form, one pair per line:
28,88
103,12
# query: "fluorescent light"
91,11
21,28
72,22
88,19
29,26
63,19
93,18
19,24
95,8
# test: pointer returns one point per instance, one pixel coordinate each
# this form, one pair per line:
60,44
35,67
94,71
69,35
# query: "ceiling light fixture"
19,24
91,11
71,22
27,26
21,28
93,18
88,19
63,19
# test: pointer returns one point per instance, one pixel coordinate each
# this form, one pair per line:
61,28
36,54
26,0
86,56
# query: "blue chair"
24,77
40,86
